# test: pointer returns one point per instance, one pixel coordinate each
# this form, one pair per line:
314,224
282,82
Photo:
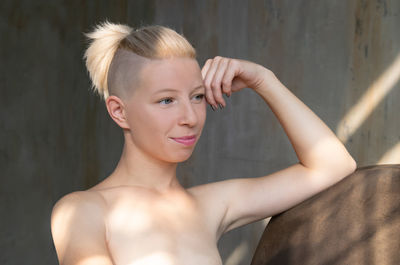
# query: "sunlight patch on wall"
266,221
392,156
368,102
238,254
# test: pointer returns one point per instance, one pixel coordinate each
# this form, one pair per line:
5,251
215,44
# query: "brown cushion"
356,221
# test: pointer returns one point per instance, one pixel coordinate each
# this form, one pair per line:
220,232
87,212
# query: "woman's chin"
182,157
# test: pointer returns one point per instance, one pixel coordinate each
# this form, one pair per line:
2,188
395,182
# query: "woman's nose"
188,115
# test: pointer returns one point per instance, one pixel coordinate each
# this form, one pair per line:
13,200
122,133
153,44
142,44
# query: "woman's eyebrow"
165,90
175,90
200,86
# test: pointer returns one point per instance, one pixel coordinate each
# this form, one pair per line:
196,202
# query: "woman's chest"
159,232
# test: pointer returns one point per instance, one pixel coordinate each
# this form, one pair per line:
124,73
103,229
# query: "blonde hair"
152,42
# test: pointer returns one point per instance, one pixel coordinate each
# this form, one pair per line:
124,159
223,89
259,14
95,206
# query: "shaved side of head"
124,75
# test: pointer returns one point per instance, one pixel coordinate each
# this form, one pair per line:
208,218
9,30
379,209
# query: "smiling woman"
156,92
153,89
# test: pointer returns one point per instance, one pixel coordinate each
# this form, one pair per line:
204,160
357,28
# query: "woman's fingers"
227,75
205,68
215,81
209,76
205,73
227,79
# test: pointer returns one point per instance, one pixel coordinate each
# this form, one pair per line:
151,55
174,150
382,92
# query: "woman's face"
169,103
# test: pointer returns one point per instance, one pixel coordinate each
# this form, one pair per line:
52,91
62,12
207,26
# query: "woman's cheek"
203,112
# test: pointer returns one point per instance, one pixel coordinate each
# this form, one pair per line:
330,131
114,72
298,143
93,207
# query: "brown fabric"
356,221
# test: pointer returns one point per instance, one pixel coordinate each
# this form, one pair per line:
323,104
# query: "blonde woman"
156,92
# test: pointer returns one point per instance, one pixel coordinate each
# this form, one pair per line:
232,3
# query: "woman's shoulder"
78,225
84,200
77,209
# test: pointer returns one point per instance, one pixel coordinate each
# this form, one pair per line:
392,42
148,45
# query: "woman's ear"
117,111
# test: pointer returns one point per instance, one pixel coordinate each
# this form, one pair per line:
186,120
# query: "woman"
155,91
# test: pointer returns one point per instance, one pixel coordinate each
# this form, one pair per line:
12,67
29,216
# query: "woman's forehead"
174,73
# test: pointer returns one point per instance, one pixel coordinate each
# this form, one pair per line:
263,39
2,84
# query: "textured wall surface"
341,58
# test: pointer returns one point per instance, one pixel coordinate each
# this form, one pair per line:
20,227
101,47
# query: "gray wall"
56,136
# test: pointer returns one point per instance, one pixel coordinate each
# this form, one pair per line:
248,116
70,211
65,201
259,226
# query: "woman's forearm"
316,146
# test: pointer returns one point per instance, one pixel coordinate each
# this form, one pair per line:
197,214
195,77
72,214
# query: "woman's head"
113,47
152,86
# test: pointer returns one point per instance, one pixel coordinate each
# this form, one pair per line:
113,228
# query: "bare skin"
178,227
141,214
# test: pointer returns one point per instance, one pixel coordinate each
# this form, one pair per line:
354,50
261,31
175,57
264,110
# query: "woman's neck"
138,169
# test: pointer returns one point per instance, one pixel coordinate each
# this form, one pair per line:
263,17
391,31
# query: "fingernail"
212,107
220,106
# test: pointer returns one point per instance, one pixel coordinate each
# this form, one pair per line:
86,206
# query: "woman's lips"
187,140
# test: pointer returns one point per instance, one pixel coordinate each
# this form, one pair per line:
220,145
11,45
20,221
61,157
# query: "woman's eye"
200,96
166,100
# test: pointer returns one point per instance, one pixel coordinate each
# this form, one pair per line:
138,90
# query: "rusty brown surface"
356,221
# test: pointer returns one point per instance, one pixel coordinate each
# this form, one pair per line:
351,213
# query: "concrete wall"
341,58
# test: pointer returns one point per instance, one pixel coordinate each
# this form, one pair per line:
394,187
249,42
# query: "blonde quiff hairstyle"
152,42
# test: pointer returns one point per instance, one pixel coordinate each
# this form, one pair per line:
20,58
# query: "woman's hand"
227,75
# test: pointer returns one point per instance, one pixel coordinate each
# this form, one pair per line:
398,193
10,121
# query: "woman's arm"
316,146
323,158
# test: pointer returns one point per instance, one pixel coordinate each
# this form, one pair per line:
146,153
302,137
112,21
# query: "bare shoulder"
78,198
88,202
78,229
77,201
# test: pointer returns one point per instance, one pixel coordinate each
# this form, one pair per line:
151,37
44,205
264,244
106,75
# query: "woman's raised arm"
323,160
